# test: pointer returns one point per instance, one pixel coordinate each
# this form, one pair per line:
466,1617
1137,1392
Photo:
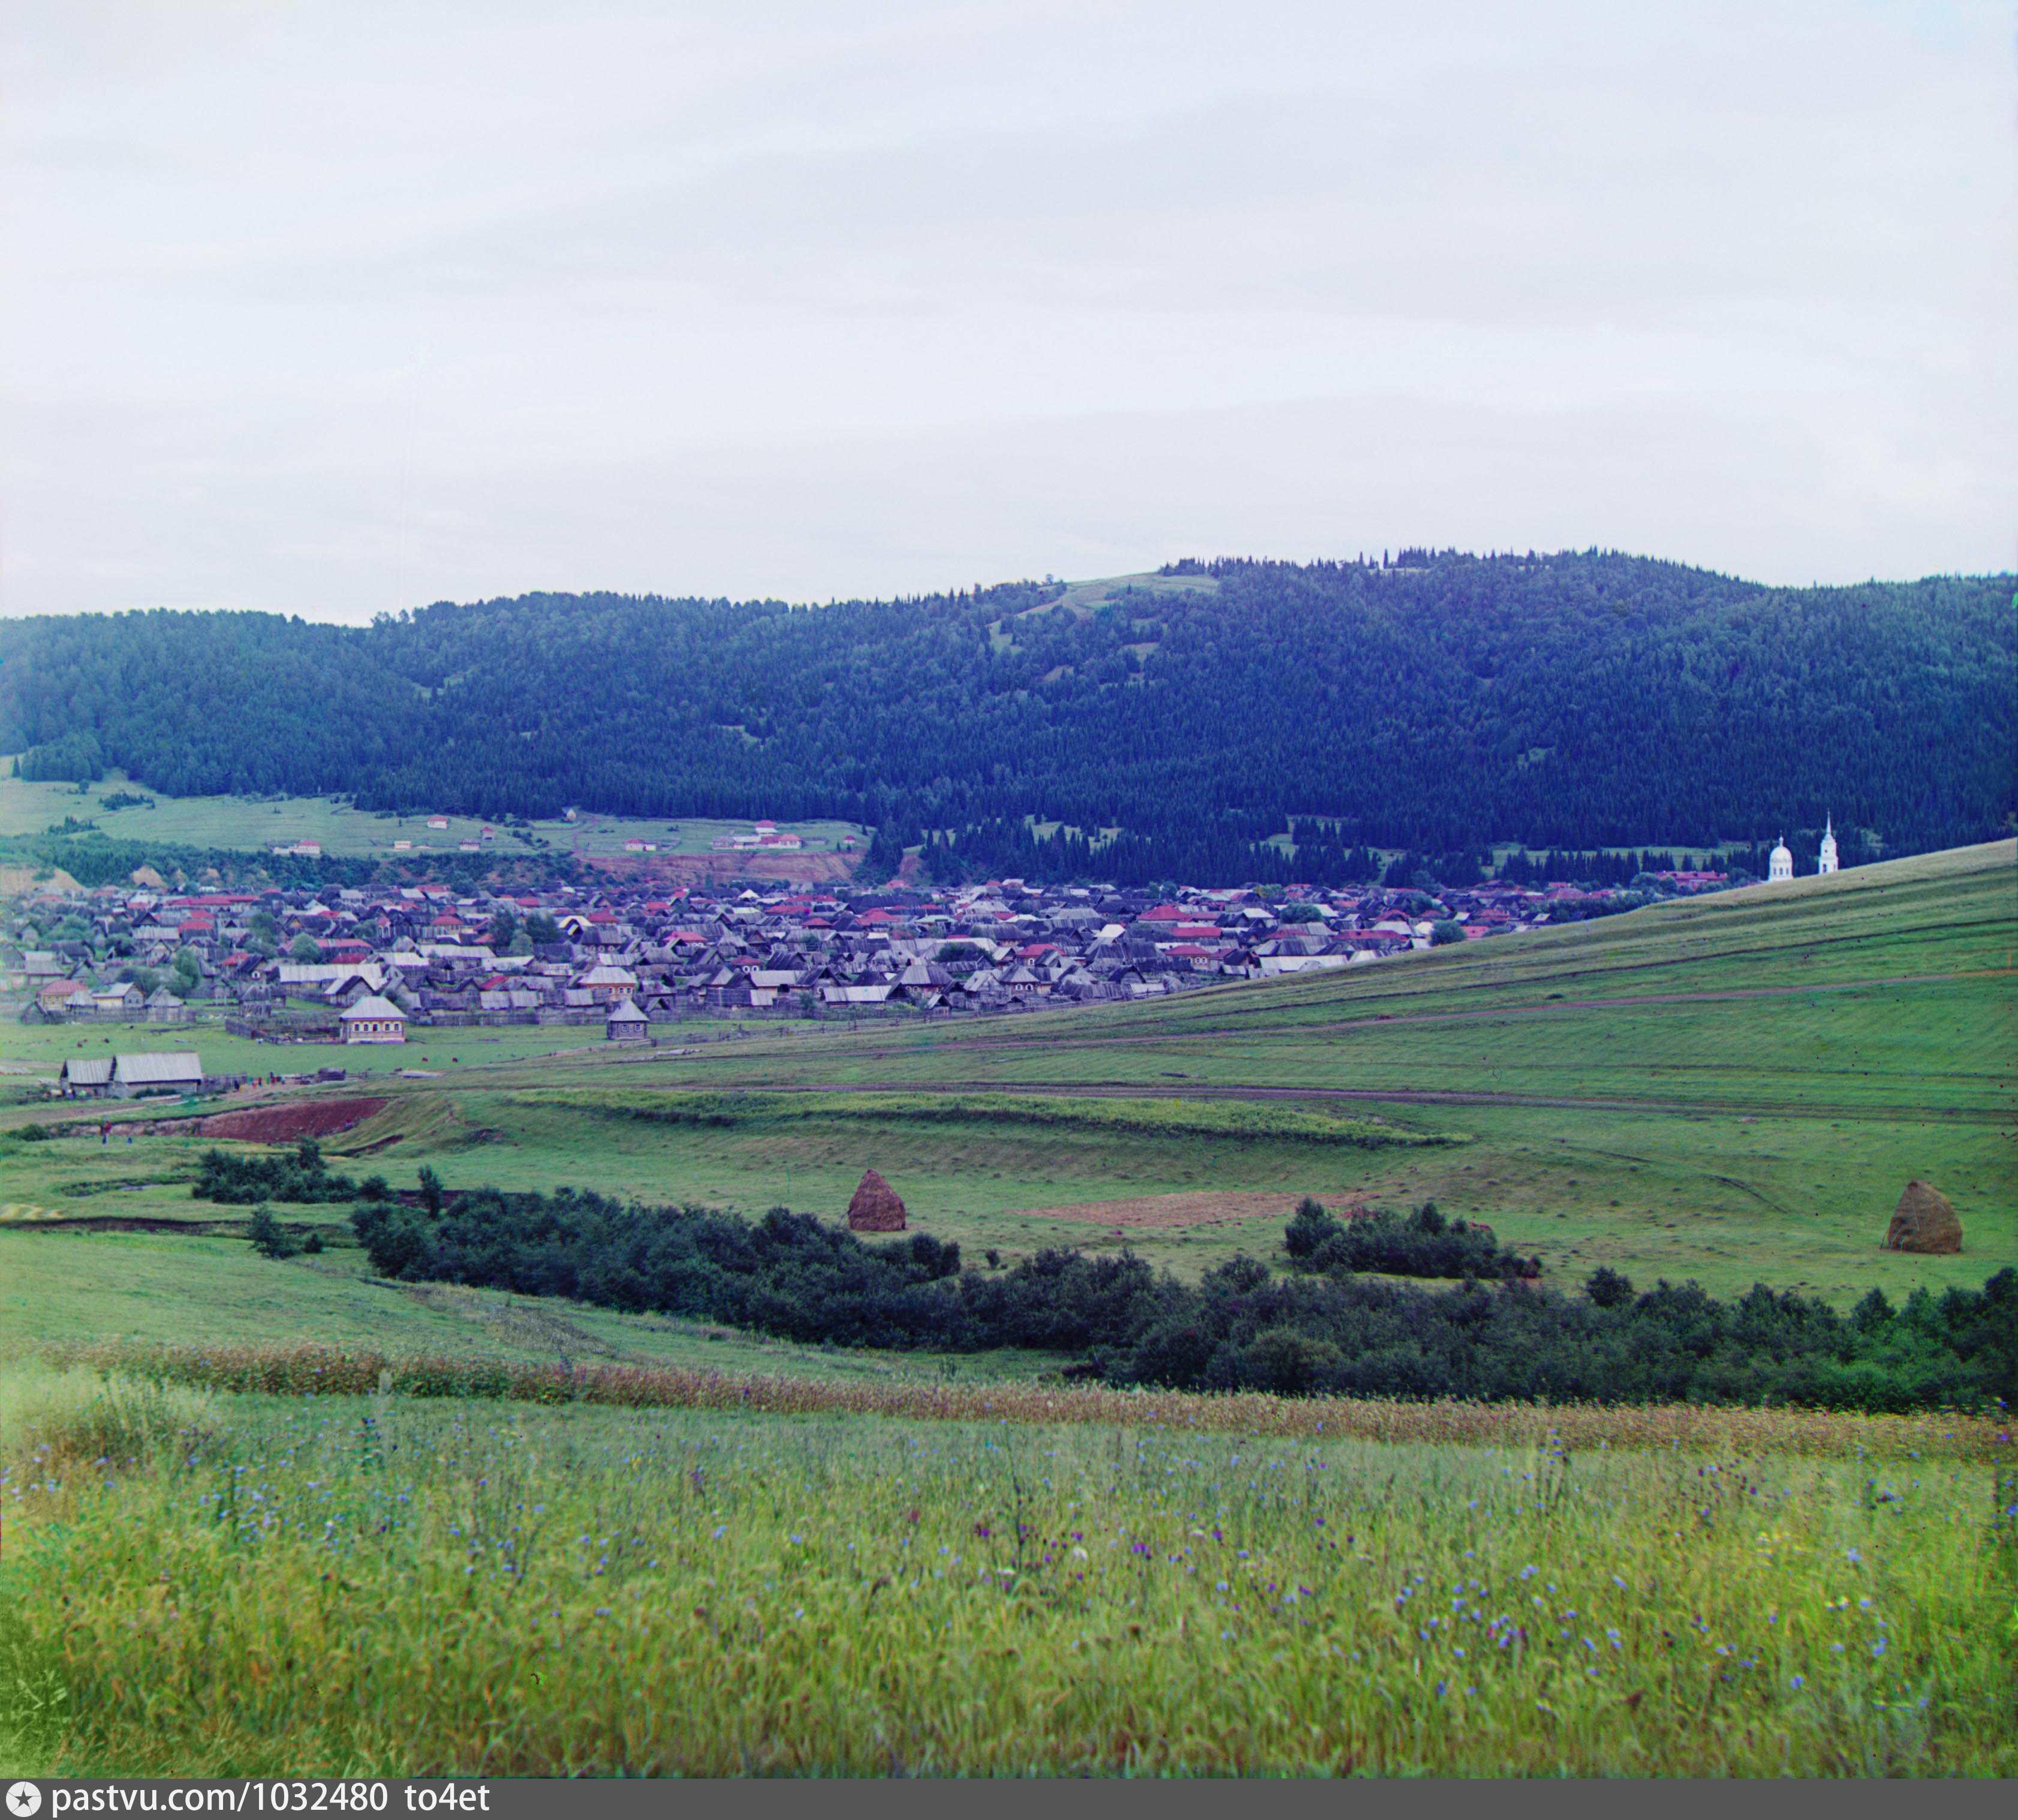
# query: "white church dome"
1780,865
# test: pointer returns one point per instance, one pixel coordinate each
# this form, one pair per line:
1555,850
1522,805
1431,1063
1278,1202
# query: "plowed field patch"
283,1124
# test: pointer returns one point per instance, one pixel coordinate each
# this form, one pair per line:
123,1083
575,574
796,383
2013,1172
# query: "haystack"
1924,1221
875,1207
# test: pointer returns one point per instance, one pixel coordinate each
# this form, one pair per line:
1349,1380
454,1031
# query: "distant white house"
373,1020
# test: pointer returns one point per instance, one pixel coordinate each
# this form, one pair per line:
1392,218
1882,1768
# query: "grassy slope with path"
1730,1089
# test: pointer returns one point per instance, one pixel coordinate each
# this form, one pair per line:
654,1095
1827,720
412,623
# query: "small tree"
1608,1288
431,1191
269,1238
1443,934
1309,1227
306,949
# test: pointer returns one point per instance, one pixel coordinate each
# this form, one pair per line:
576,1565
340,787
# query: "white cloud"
335,310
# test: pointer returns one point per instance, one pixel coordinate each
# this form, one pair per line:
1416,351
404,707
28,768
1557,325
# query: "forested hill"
1571,700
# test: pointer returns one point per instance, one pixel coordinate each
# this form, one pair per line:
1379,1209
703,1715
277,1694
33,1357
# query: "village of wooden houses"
351,967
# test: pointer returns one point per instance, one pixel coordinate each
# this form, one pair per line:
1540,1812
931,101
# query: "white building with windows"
1780,865
373,1020
1827,864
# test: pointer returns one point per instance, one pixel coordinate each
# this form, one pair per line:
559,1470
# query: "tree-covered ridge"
1573,700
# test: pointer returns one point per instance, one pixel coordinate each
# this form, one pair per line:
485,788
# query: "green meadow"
328,1585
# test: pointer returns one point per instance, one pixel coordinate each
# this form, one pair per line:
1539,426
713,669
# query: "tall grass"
382,1585
56,1424
64,1410
307,1370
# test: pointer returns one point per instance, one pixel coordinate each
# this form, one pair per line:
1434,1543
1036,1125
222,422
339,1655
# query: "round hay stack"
875,1207
1924,1221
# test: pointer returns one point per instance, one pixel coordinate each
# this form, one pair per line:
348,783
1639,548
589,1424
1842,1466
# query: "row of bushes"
1334,1332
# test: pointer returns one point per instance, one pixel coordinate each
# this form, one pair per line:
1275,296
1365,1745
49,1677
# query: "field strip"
1191,1207
314,1371
1414,1096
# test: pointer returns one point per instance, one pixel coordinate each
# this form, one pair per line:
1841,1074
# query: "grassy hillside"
1731,1089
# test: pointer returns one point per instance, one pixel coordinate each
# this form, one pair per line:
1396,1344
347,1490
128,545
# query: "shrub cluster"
788,1273
1423,1243
240,1180
1349,1336
1332,1332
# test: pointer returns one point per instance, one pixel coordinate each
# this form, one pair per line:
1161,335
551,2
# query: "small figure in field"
875,1207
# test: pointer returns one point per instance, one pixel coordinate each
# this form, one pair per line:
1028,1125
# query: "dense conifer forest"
1578,701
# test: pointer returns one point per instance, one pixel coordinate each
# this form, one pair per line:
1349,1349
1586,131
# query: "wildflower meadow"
201,1581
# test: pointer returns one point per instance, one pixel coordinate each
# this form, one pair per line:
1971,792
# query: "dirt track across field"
1203,1208
282,1124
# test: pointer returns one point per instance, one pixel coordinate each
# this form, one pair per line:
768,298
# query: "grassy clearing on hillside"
247,824
379,1586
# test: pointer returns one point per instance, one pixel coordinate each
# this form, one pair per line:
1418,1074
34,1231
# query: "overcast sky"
335,308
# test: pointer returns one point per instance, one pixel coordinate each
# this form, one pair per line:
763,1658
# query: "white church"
1780,864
